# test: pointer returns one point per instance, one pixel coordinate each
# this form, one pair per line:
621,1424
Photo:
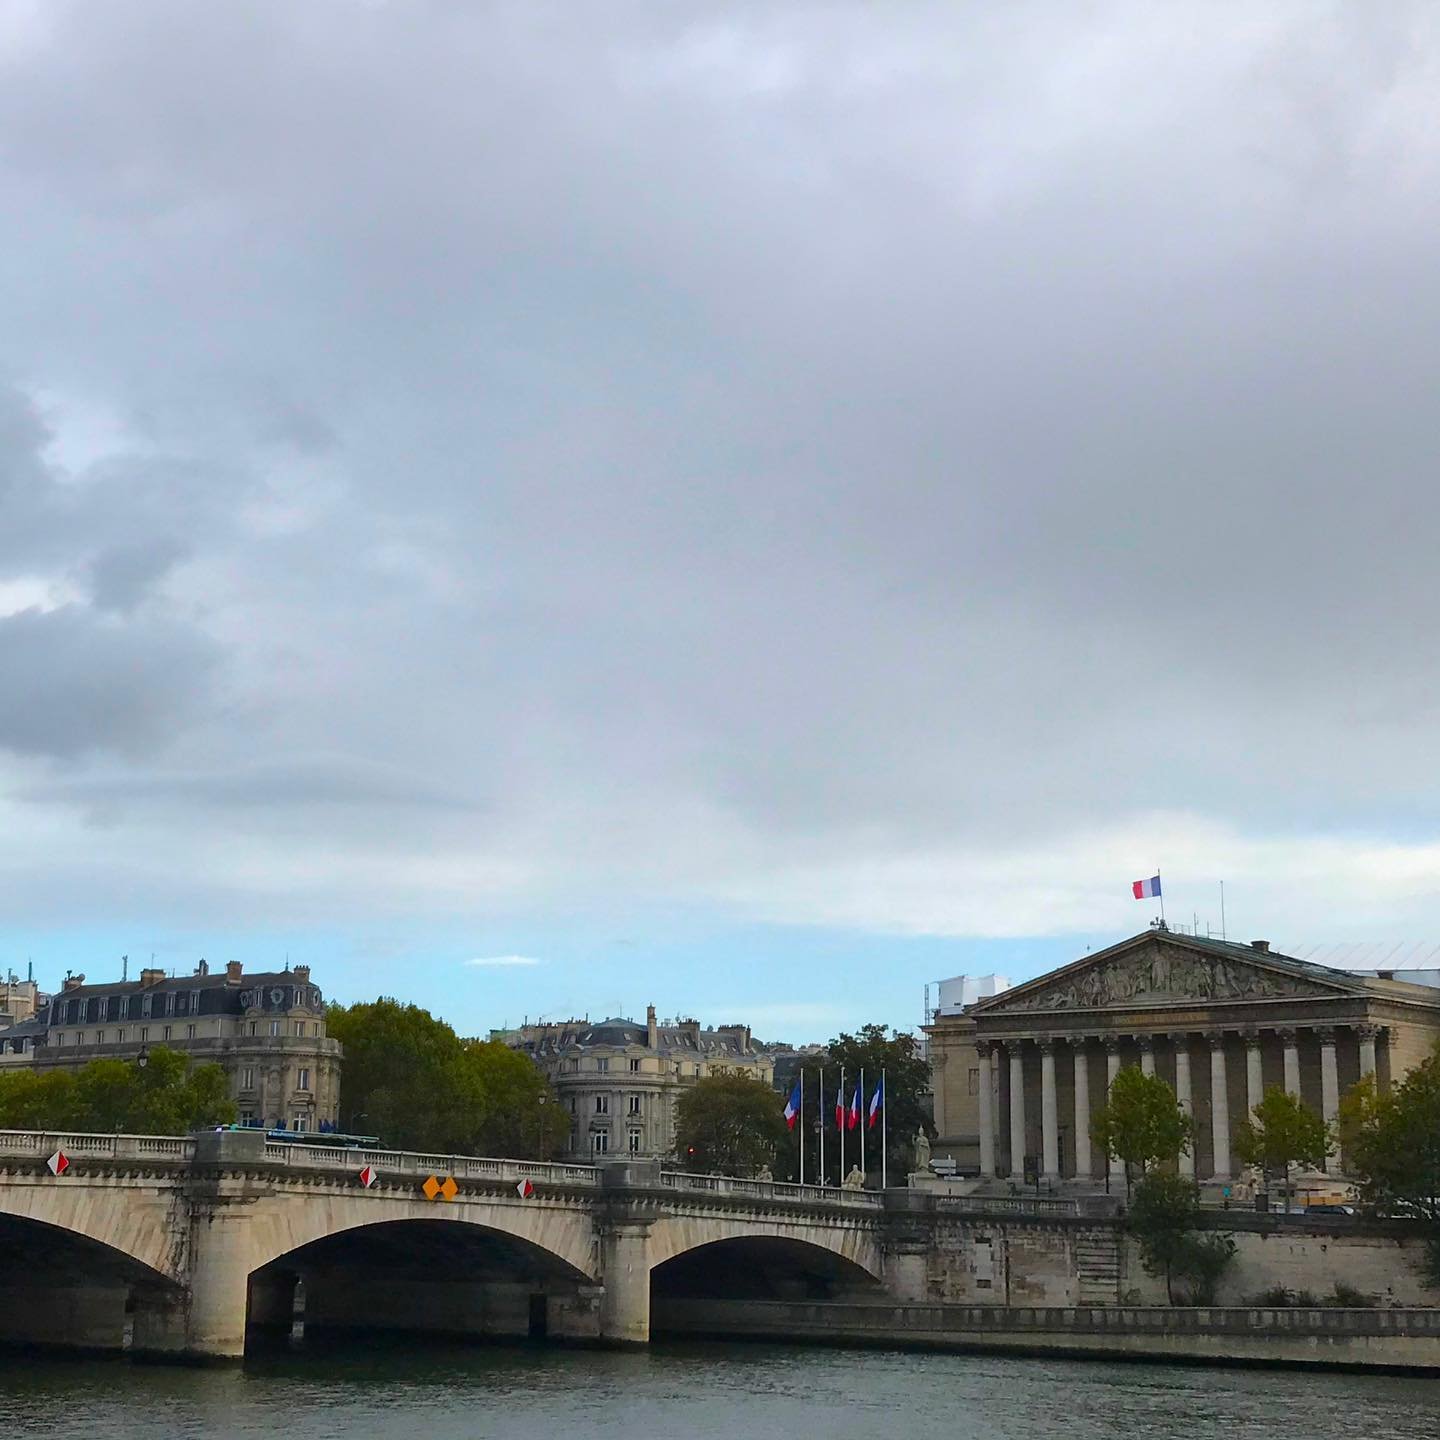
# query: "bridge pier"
906,1243
623,1225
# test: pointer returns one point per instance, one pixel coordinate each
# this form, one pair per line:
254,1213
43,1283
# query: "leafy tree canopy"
1164,1212
1141,1122
167,1096
1392,1145
411,1080
1282,1131
729,1124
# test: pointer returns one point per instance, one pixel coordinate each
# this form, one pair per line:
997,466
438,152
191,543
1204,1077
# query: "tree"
409,1078
1392,1146
907,1083
167,1096
1163,1214
1282,1131
1141,1123
729,1124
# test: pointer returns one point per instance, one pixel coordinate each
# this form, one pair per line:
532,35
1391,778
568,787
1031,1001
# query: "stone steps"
1097,1269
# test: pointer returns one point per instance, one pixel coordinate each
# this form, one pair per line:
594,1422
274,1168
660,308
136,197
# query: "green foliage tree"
874,1049
167,1096
1282,1131
1141,1123
411,1080
1392,1146
730,1125
1163,1214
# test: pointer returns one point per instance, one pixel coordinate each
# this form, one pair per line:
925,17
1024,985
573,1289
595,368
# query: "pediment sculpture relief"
1159,974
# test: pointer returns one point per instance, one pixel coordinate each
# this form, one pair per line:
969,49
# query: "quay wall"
1395,1339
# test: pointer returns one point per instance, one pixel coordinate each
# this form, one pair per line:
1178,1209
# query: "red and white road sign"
368,1176
58,1163
524,1189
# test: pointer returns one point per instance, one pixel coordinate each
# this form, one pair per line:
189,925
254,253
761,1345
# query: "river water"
696,1392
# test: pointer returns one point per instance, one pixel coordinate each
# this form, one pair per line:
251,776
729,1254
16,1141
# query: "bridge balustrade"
43,1143
771,1189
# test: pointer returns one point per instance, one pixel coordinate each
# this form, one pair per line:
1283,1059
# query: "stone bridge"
186,1245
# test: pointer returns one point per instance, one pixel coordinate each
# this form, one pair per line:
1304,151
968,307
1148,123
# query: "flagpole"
884,1135
801,1126
1161,896
820,1111
840,1098
859,1091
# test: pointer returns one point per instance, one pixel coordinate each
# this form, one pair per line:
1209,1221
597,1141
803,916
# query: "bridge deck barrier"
43,1143
771,1189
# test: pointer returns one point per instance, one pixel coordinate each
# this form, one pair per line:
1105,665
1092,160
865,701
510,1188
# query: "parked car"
1329,1210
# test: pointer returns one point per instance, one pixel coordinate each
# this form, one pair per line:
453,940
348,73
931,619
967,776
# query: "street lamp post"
540,1154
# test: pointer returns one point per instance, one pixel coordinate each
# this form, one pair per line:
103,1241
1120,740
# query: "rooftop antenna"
1223,935
124,967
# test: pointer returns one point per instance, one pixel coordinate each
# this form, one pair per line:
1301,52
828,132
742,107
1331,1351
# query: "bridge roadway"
183,1245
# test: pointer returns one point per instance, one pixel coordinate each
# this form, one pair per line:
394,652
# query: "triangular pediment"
1170,969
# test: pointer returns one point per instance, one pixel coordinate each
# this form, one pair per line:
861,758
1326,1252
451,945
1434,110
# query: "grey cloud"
76,683
848,427
122,576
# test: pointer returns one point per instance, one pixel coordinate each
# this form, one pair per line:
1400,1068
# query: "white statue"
764,1174
855,1180
922,1150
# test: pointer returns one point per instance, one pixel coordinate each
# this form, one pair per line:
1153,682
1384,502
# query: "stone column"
987,1115
1219,1107
997,1054
1254,1072
1049,1112
1182,1094
1081,1055
1292,1062
1367,1034
1017,1108
1112,1069
1330,1094
1147,1054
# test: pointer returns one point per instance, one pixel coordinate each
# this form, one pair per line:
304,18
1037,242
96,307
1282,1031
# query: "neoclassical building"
1021,1074
618,1081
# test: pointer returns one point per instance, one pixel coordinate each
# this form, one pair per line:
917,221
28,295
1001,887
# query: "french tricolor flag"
876,1101
792,1106
1147,889
854,1118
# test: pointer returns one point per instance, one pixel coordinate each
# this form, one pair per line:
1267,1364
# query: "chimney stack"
302,974
150,977
1263,946
233,970
73,982
652,1030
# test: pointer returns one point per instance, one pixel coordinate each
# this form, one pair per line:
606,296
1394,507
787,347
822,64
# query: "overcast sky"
752,506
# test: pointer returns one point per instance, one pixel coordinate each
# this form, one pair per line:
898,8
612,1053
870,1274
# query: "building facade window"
634,1105
600,1142
275,1028
634,1067
144,1033
636,1138
602,1104
303,1083
602,1065
189,1032
120,1036
300,1029
165,1034
247,1078
99,1037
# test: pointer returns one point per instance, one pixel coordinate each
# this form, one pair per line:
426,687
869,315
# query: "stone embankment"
1393,1339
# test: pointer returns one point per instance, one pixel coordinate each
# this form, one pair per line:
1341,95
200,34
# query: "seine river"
694,1392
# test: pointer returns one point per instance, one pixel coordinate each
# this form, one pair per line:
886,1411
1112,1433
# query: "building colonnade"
1007,1071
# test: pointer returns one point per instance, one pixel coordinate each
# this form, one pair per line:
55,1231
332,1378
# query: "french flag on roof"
1147,889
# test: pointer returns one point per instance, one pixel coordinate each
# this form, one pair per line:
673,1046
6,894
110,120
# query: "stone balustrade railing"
770,1189
41,1144
417,1162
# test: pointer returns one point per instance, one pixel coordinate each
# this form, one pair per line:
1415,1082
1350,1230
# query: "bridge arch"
145,1226
559,1238
845,1250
